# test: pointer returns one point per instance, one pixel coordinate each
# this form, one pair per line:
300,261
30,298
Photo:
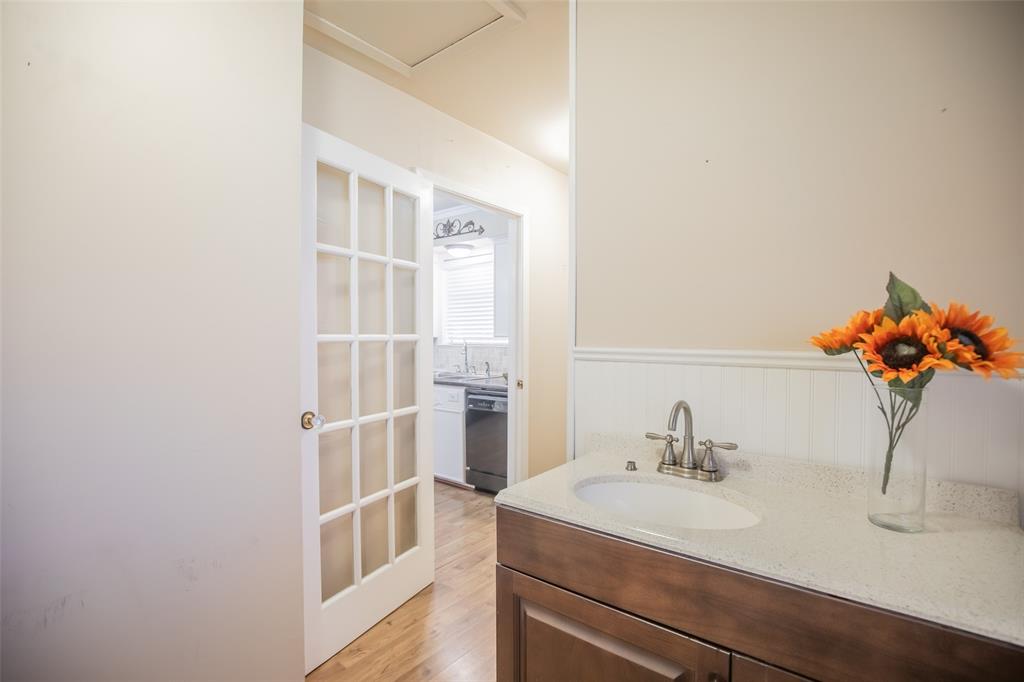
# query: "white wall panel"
822,415
798,407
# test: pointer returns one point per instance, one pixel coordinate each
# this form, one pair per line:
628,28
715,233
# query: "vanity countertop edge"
964,572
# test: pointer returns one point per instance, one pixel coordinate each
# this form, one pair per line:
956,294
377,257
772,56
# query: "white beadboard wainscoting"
802,405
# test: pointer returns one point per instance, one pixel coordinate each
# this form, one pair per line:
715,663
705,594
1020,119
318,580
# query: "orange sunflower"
841,339
905,349
979,347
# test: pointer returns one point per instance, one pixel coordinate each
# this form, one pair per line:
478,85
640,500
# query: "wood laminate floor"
445,632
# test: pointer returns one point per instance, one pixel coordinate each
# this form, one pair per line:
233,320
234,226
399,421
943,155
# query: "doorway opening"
477,340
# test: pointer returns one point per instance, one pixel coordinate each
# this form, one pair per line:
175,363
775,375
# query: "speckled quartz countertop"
966,570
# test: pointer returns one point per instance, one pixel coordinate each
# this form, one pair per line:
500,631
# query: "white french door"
368,531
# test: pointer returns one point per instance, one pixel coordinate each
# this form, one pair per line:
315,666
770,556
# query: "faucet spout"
688,460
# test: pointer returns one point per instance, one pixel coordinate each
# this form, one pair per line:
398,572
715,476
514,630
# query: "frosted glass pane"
372,298
405,301
373,458
335,469
337,568
374,535
405,374
333,300
371,217
332,206
405,447
334,381
405,520
403,216
373,378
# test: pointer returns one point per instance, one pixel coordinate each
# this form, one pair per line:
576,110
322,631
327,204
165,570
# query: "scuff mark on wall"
48,616
192,570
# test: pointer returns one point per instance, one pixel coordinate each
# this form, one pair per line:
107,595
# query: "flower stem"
902,417
888,466
871,383
896,420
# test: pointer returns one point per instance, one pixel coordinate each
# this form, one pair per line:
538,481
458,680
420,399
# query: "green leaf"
911,390
903,299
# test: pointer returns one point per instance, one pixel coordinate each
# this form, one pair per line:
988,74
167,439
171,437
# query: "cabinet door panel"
449,446
546,633
748,670
555,647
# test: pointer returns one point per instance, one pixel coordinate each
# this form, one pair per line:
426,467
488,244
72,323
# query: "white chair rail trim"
768,359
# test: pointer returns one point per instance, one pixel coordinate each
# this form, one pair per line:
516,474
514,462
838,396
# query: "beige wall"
748,173
151,522
345,102
1,328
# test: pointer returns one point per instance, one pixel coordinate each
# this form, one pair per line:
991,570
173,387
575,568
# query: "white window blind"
469,302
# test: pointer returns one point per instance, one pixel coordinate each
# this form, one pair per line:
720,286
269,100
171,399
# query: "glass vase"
897,458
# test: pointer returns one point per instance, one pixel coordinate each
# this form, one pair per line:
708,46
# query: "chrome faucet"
668,457
685,464
465,354
487,369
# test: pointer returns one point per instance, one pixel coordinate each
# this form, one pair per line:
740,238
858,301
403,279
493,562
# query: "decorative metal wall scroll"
453,227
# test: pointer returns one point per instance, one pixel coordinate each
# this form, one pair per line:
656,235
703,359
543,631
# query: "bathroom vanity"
591,590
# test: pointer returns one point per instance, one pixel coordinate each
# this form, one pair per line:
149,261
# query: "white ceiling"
385,25
506,77
444,201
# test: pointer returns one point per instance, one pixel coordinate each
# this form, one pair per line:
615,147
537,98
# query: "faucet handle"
708,444
668,437
668,456
708,464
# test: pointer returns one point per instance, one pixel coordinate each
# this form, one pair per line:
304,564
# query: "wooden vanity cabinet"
574,604
552,634
748,670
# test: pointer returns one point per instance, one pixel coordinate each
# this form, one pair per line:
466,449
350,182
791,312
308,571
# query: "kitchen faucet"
465,354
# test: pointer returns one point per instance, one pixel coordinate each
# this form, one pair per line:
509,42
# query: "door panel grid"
379,378
368,540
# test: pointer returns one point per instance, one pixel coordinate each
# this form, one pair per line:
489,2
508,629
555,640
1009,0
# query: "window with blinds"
469,302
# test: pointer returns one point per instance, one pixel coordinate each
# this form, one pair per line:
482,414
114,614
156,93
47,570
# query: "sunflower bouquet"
904,342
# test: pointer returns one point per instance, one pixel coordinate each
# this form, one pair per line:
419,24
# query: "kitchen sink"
665,505
475,379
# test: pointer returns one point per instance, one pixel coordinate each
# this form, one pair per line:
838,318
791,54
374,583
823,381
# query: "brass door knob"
311,420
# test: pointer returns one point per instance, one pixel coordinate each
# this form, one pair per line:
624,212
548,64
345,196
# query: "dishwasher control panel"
486,403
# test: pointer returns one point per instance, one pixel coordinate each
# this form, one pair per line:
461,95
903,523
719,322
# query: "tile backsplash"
449,356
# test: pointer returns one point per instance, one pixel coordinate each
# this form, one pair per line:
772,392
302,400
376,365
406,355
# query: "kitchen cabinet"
450,433
576,604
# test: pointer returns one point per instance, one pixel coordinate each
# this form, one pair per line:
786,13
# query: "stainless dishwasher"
487,439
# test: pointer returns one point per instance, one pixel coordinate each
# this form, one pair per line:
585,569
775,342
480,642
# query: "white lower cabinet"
450,433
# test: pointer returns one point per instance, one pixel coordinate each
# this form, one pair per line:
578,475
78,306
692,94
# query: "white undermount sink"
665,505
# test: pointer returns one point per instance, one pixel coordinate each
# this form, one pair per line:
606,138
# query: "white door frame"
518,399
570,375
